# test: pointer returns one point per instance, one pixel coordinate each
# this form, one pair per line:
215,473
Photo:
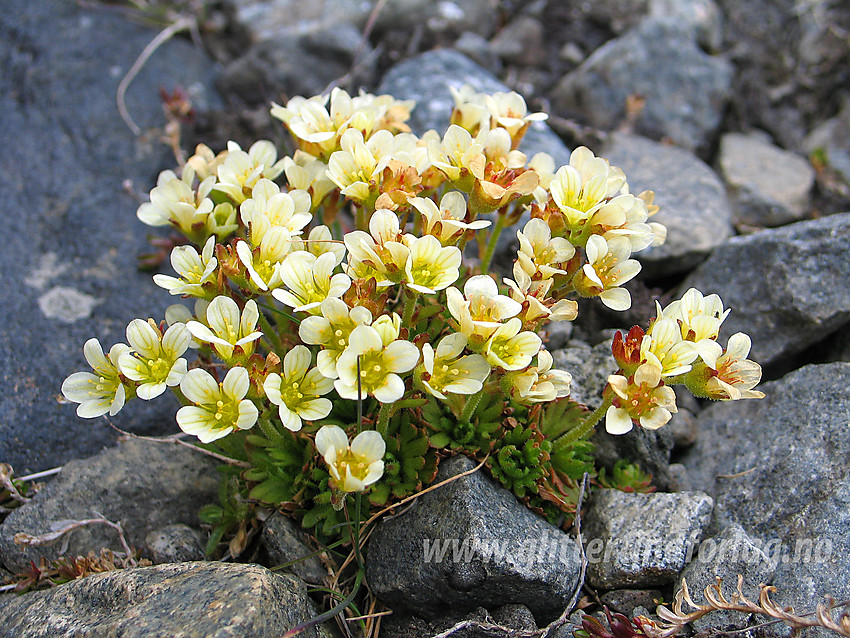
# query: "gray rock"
520,41
649,449
680,479
642,540
830,140
768,186
778,467
284,542
693,201
263,20
292,63
684,89
70,255
191,600
791,63
478,16
624,601
426,78
618,15
683,425
175,544
727,555
703,16
589,367
471,543
143,485
787,286
477,48
518,617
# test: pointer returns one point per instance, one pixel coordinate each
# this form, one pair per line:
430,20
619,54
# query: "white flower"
509,111
220,408
699,319
444,370
331,330
511,349
582,186
355,168
195,270
352,467
288,210
101,391
664,348
381,364
480,310
155,360
298,389
430,266
457,153
174,201
470,109
227,328
607,268
320,241
309,174
539,252
540,383
644,398
310,280
240,171
446,222
735,376
382,252
264,260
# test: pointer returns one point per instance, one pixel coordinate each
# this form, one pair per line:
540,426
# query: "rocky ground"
735,112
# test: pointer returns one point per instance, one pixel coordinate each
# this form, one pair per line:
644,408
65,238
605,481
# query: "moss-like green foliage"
233,514
409,462
474,437
281,461
520,459
627,477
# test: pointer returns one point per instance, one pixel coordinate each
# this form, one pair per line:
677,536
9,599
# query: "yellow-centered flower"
220,408
480,310
195,270
154,361
511,349
298,389
101,390
353,467
381,363
231,333
643,399
331,330
444,370
310,280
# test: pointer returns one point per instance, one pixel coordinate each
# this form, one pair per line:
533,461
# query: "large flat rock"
788,287
71,237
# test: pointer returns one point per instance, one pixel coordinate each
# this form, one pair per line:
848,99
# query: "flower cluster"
336,278
680,347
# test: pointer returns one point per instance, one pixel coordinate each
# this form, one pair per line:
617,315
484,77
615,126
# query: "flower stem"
410,298
384,418
360,221
492,240
355,529
470,405
586,427
270,333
